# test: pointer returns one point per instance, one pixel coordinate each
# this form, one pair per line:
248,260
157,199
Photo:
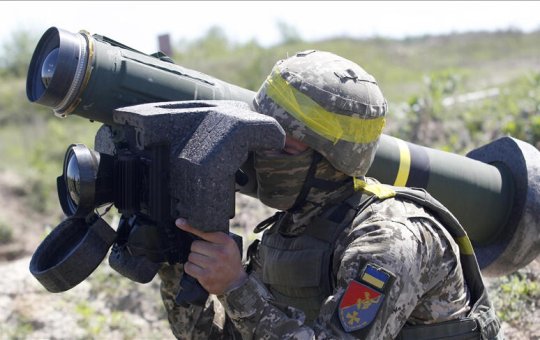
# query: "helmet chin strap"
312,182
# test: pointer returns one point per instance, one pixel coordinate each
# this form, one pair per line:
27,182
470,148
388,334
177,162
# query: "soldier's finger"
214,237
200,260
205,248
194,270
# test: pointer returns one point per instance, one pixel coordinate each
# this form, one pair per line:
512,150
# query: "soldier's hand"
215,260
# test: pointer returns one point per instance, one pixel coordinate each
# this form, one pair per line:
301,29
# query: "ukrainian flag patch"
376,277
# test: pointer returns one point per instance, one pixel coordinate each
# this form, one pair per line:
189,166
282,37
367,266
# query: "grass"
6,232
23,329
103,312
515,294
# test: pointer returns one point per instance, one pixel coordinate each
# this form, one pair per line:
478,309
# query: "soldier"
346,257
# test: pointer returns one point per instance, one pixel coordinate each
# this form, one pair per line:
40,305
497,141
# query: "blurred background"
457,75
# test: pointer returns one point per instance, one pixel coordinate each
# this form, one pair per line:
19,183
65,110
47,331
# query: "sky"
138,23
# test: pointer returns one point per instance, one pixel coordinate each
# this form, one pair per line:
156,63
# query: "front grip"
191,292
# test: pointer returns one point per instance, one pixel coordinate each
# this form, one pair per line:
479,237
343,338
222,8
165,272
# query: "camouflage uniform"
397,235
393,248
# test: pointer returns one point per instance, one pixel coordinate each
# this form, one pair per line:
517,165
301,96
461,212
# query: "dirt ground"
107,305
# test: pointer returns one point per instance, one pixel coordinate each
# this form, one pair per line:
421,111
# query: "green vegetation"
16,51
119,296
6,233
23,330
515,294
90,319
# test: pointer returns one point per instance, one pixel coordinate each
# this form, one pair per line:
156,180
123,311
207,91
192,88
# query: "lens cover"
71,252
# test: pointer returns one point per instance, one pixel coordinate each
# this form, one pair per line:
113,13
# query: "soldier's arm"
389,269
256,315
194,322
377,269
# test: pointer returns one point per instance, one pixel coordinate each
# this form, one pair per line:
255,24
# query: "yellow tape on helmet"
330,125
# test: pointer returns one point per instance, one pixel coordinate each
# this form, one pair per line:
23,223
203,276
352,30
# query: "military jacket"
377,269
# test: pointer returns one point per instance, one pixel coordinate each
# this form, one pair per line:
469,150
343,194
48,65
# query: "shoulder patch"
359,306
363,297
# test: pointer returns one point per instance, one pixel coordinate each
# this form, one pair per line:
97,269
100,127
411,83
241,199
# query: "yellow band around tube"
404,164
332,126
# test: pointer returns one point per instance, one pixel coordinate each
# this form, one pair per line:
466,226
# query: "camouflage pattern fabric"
404,239
280,177
396,235
195,322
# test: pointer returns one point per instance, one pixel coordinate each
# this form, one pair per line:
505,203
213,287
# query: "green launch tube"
91,75
479,194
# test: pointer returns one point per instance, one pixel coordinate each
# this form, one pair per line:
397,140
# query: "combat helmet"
328,102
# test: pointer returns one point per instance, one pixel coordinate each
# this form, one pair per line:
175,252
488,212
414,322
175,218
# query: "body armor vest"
298,270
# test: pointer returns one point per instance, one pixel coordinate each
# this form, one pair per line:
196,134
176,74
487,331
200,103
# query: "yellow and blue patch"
376,277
